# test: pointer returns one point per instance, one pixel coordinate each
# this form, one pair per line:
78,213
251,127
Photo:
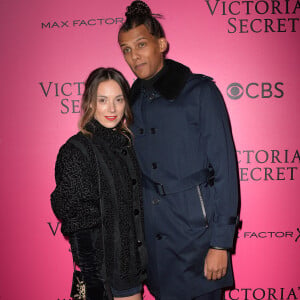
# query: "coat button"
139,243
158,236
154,165
133,181
124,152
153,130
136,212
141,130
143,271
155,201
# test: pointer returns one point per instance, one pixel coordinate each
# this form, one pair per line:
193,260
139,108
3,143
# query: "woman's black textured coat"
75,201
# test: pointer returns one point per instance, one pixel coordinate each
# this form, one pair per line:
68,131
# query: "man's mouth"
139,66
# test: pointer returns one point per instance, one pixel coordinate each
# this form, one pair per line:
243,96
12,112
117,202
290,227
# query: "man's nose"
134,54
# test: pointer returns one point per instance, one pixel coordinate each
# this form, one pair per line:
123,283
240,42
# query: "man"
185,149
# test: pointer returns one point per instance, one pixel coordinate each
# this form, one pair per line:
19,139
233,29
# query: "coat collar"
114,138
169,84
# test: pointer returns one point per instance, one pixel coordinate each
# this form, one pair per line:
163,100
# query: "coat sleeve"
221,154
88,254
74,200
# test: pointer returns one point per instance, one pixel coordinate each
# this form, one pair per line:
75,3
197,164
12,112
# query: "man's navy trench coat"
181,130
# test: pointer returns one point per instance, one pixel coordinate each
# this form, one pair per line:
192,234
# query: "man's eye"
119,99
126,50
142,44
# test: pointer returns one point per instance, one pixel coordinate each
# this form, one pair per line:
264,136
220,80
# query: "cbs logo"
254,90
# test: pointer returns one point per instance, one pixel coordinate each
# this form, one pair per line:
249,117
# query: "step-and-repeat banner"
250,48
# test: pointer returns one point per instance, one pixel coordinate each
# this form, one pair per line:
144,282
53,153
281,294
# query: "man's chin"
140,75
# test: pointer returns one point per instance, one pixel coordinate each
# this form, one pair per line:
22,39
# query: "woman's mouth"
110,118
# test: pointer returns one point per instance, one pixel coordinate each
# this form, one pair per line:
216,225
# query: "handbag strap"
99,159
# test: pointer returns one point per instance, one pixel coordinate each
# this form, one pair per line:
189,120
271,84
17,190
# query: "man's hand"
215,265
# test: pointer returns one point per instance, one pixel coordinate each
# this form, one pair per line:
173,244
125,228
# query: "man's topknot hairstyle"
138,8
138,13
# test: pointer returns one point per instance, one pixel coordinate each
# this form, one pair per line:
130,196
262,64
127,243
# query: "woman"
98,195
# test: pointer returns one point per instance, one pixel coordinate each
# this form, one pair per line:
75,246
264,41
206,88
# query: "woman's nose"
112,107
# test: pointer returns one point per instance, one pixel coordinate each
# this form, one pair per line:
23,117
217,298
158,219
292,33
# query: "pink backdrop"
250,48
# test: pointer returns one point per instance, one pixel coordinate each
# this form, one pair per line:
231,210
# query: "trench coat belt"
203,176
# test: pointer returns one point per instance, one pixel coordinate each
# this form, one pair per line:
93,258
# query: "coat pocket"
197,215
200,197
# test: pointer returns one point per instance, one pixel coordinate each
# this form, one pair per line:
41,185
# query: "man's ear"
163,44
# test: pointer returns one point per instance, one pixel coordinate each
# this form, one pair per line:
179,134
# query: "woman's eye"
101,100
142,44
119,99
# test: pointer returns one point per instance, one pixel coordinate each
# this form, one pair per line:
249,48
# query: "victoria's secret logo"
54,227
278,16
263,294
68,92
270,165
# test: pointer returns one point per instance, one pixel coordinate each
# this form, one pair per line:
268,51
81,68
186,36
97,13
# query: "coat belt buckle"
210,180
160,189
